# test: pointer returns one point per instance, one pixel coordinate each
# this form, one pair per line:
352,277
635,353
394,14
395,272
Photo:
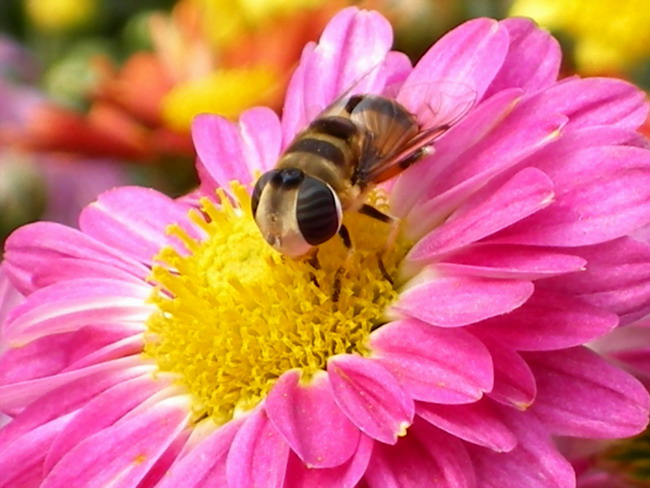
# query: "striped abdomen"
347,142
328,150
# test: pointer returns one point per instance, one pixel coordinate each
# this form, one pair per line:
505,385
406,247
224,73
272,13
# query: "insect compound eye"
318,211
259,187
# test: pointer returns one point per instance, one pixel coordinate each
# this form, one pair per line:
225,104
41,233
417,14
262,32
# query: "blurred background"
99,93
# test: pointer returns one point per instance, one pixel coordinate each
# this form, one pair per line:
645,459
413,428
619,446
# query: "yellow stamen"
233,314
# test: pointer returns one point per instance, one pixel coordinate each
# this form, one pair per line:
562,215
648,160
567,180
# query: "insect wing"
378,170
435,107
440,103
389,125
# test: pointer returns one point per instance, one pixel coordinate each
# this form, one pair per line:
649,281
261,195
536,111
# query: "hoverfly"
357,142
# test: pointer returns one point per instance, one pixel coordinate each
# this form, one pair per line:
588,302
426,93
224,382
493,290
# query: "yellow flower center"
233,314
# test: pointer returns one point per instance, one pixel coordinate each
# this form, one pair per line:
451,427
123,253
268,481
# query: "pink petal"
21,464
491,210
454,74
52,354
635,336
514,382
130,346
159,470
628,347
478,423
425,457
261,135
533,59
563,162
642,234
122,454
102,411
132,220
205,465
549,321
60,402
534,463
296,113
552,159
66,269
456,301
630,303
471,54
354,41
636,361
436,365
94,339
229,151
421,182
349,54
504,261
593,155
479,172
208,182
309,420
219,148
258,455
609,207
580,394
9,297
347,475
17,395
200,432
396,68
40,250
42,357
595,101
370,396
71,305
617,278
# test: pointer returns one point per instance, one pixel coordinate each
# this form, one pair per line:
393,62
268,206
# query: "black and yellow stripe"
350,141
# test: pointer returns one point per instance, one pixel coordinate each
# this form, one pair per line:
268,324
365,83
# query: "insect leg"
395,169
345,235
347,242
312,260
372,212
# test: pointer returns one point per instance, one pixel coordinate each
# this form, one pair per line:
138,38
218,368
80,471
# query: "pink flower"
618,463
192,355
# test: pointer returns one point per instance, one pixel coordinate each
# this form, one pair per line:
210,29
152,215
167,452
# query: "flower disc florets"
234,314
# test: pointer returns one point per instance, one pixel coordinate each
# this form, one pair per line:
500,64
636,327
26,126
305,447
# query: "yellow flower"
227,92
60,15
610,35
226,20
